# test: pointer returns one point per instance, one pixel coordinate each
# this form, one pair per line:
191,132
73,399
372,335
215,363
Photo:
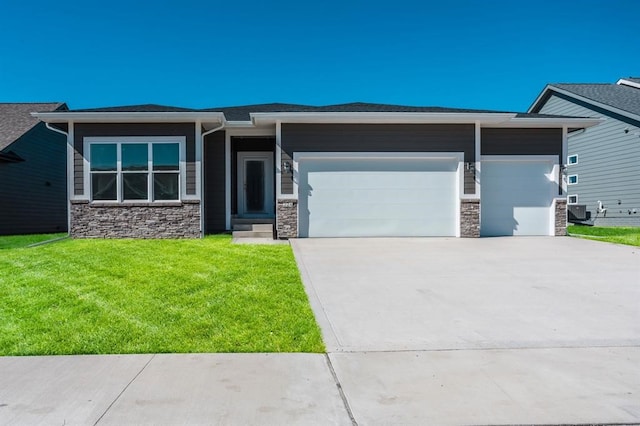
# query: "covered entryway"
378,195
255,184
517,195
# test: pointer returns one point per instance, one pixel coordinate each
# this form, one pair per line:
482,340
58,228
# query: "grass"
17,241
153,296
619,235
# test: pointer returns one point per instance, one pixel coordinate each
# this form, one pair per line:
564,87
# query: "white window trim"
569,180
569,199
569,163
119,140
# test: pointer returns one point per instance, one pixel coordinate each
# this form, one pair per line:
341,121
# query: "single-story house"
347,170
33,181
603,162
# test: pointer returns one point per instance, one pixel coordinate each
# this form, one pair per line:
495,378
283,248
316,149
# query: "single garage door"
517,198
377,197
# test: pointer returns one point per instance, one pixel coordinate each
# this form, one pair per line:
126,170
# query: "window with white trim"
135,171
572,159
572,179
572,199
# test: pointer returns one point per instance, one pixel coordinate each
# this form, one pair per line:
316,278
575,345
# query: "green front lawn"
153,296
620,235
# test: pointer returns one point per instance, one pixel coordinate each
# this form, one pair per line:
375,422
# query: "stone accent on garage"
287,219
560,217
135,220
470,218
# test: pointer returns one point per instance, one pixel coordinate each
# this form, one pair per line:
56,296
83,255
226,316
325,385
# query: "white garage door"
377,197
517,198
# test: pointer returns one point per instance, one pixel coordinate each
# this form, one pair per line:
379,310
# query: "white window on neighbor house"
135,171
572,179
572,159
572,199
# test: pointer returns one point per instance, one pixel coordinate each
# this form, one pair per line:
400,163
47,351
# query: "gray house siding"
214,183
608,166
82,130
379,138
33,193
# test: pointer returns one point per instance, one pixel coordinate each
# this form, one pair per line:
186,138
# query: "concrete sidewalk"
187,389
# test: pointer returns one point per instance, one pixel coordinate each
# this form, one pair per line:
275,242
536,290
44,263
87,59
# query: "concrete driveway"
479,331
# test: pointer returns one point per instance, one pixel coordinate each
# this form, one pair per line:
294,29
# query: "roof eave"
129,117
377,117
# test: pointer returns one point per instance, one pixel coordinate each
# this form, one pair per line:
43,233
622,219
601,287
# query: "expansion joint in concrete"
347,407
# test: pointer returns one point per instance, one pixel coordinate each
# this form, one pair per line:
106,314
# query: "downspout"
208,132
67,177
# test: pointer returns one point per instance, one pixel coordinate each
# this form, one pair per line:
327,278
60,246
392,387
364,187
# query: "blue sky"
469,54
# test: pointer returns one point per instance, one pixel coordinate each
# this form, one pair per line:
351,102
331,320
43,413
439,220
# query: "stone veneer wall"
135,220
287,218
561,216
470,218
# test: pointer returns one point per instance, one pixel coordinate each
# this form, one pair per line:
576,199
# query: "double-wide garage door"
378,197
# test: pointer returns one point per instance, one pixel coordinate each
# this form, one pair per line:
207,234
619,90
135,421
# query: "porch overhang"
208,118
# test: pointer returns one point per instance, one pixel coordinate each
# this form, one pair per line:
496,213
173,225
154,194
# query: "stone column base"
287,219
560,206
470,218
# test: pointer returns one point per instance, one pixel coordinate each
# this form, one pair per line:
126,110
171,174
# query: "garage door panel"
516,197
353,198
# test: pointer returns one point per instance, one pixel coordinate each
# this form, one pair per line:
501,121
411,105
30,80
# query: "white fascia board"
586,100
625,82
547,122
378,117
538,99
129,117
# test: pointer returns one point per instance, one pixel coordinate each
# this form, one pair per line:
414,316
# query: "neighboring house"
33,183
603,162
333,171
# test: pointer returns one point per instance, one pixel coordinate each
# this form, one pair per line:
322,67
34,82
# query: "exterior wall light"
286,167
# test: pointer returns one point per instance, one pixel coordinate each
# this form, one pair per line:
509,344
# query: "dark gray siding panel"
521,142
188,130
33,193
286,179
382,138
78,177
214,177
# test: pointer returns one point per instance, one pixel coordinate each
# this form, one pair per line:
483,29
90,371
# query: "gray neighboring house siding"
33,192
608,166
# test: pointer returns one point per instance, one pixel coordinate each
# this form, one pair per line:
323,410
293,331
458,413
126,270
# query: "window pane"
103,186
165,186
135,156
166,156
134,186
103,156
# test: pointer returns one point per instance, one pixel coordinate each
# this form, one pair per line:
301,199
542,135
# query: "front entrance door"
255,184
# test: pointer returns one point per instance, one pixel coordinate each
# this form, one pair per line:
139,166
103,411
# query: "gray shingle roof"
618,96
137,108
241,113
16,119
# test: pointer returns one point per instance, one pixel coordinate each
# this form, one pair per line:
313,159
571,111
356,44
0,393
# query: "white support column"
478,141
278,160
70,173
227,180
199,173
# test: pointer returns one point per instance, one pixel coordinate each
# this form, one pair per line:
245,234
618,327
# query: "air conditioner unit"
577,212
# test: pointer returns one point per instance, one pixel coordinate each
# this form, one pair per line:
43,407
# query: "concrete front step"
253,234
258,227
249,220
